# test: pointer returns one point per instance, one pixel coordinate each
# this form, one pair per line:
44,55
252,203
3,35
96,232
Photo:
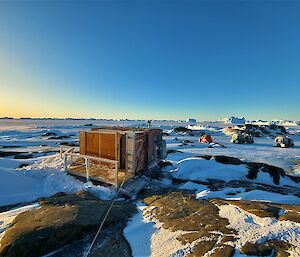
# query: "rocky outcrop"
207,232
9,153
222,159
281,212
198,219
272,247
17,155
253,167
23,156
183,131
257,130
173,151
49,134
61,220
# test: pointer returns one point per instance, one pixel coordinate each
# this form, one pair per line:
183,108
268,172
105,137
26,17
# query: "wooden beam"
93,158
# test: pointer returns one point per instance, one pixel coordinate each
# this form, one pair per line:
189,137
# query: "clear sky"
150,59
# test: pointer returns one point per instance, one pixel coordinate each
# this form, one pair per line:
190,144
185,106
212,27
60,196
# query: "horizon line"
136,119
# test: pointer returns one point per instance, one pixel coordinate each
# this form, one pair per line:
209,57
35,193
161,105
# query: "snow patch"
149,238
40,179
201,169
254,229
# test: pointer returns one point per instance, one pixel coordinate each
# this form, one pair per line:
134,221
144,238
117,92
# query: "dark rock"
173,151
266,209
58,137
182,129
201,248
292,212
69,144
227,159
10,146
206,157
274,247
279,127
23,156
253,167
230,193
294,178
274,172
222,159
23,165
8,153
14,206
61,220
186,141
110,242
223,251
163,164
257,249
49,134
260,209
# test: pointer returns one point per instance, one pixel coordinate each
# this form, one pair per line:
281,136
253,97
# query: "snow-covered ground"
149,238
28,185
262,150
31,136
44,177
254,229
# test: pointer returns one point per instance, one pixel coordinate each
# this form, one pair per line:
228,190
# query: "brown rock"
199,218
279,248
60,220
223,251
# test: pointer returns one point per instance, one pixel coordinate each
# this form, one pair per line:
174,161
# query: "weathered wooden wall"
98,144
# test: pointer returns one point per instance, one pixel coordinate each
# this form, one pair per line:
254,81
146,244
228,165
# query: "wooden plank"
99,146
134,186
92,144
140,152
92,158
130,145
116,146
133,154
107,131
130,150
108,146
82,142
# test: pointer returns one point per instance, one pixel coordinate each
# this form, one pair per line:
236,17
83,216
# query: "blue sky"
150,59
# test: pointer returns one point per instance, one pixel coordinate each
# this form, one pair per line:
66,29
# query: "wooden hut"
114,155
